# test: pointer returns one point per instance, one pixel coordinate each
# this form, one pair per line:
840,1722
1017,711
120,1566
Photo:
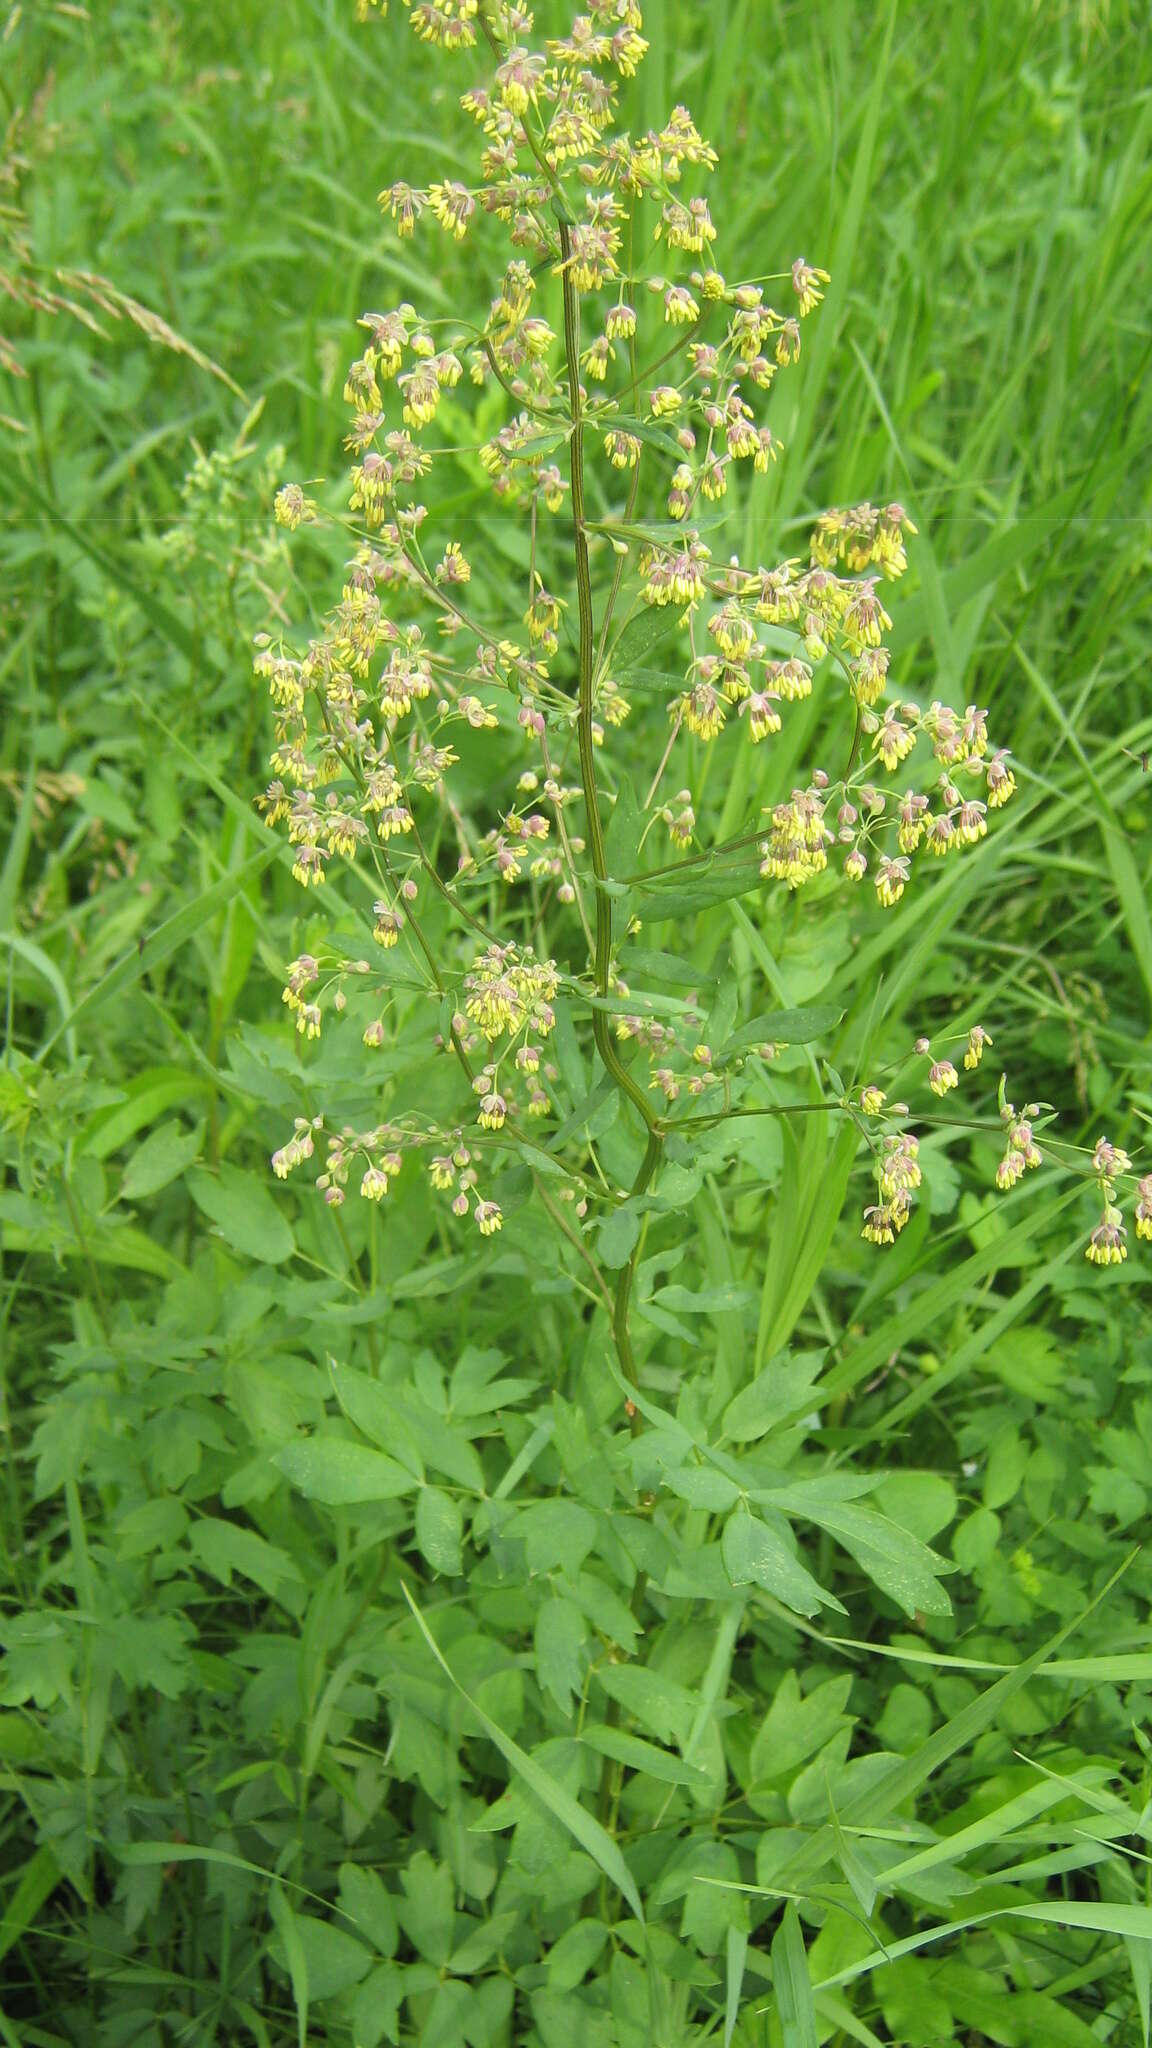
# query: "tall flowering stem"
601,1029
410,660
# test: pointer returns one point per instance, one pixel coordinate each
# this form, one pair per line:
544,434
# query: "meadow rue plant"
633,396
646,1552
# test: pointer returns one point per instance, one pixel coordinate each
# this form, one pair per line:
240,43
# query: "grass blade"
792,1985
592,1838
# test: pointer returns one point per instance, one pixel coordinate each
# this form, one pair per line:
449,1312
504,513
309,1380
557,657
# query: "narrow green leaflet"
641,1003
670,899
641,1756
440,1530
640,636
785,1027
667,967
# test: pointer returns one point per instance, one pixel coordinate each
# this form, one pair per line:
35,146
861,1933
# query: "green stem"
602,963
633,493
623,1300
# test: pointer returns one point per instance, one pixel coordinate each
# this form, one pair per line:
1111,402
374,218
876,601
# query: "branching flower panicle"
589,362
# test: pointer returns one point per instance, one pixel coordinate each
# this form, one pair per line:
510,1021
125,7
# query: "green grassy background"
978,180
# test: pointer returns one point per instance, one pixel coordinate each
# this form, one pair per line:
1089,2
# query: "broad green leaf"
703,1487
624,831
597,1103
226,1547
1021,2017
618,1233
371,1408
427,1911
774,1394
755,1555
476,1387
640,1003
657,437
796,1726
332,1960
579,1822
668,967
576,1952
534,446
924,1502
370,1907
340,1474
606,1610
163,1156
1004,1470
899,1564
157,1524
975,1539
640,637
661,1703
561,1633
376,2005
555,1533
145,1098
244,1212
147,1651
486,1939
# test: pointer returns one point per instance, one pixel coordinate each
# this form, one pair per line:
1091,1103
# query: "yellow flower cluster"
796,850
508,992
1108,1243
898,1168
